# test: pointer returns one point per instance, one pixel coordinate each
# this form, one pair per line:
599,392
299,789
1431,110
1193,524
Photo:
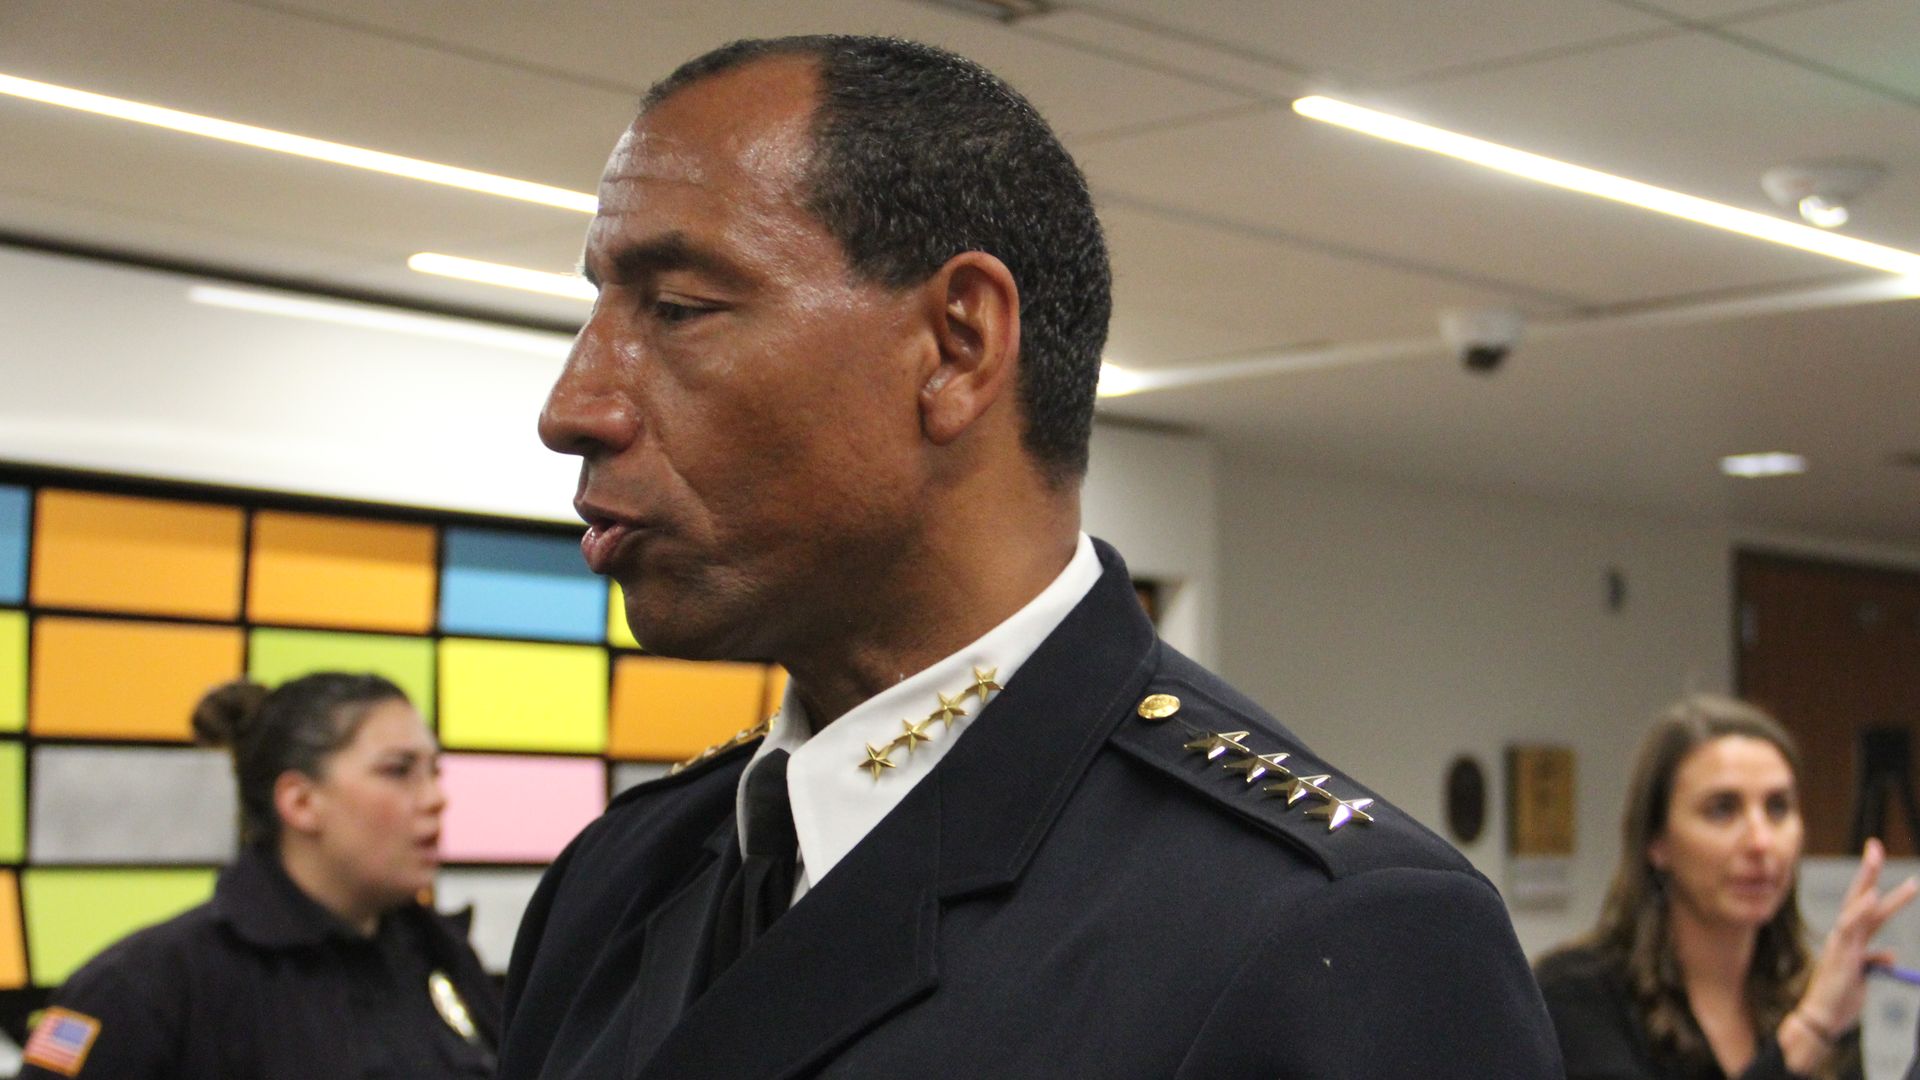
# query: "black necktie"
763,888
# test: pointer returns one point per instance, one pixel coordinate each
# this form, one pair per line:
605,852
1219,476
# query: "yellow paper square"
513,695
13,670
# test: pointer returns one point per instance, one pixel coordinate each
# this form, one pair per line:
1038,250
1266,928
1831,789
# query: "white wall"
1395,628
111,368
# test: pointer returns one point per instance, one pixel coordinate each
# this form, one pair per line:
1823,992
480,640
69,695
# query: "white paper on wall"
498,899
125,804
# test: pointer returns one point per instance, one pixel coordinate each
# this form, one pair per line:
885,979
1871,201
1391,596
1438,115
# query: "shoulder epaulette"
738,738
1253,773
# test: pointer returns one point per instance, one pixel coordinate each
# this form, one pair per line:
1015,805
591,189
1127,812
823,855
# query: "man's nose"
590,409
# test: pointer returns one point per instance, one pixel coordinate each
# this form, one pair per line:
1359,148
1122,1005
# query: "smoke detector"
1821,191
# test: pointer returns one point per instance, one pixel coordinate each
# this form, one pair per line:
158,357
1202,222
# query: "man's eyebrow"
660,254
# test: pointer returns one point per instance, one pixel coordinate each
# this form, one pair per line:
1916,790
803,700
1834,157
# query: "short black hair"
920,155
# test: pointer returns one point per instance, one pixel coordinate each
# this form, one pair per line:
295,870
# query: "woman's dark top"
1603,1037
262,983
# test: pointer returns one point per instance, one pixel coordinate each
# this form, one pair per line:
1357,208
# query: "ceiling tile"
278,71
1692,113
1874,40
1186,292
1727,10
1391,40
1292,176
634,44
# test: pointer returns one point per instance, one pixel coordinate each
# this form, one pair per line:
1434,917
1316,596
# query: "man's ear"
295,799
977,334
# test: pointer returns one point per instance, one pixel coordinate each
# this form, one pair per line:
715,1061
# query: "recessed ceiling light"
1561,174
1758,466
1116,381
298,145
507,277
372,317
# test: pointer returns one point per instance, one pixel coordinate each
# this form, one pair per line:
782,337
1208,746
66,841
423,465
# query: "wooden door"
1832,650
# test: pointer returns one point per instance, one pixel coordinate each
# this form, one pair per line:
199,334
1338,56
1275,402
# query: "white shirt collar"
835,801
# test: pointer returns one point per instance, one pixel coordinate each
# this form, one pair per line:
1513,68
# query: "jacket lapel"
863,944
674,958
854,949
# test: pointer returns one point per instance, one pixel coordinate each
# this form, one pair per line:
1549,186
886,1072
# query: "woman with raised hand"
315,958
1698,968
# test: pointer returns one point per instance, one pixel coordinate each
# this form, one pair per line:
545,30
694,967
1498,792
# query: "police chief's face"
744,408
379,802
1733,833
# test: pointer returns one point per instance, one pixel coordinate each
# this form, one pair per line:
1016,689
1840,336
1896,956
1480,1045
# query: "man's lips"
600,542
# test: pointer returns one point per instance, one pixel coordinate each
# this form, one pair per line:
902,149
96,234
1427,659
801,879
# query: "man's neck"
939,617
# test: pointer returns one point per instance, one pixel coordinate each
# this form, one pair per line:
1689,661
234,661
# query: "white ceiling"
1240,231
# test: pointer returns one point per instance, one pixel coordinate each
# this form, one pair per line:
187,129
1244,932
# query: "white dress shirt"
835,801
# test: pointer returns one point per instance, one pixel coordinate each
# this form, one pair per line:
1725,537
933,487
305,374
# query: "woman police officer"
314,958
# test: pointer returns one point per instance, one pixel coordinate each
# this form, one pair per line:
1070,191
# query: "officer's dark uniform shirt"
1081,888
262,983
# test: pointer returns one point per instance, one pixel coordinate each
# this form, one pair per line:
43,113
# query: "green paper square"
275,656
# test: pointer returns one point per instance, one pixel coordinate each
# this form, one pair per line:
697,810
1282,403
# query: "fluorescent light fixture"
1757,466
507,277
1116,381
1560,174
299,145
370,317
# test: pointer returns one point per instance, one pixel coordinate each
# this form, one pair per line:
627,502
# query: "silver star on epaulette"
1219,743
1338,812
1296,788
1258,765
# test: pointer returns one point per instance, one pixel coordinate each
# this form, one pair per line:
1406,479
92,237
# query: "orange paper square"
336,572
667,710
104,679
150,556
13,952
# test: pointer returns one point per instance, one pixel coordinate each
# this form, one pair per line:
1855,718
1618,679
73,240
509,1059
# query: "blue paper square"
16,505
502,584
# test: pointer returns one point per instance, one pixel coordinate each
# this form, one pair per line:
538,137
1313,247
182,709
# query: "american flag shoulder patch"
61,1040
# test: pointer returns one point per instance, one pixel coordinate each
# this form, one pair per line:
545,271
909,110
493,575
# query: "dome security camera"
1482,337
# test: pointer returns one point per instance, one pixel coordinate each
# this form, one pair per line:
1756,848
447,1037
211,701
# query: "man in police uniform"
833,406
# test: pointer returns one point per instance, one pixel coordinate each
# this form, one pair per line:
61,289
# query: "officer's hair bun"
227,711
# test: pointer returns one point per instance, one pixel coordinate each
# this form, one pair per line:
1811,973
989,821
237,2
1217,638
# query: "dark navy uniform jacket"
1069,893
261,983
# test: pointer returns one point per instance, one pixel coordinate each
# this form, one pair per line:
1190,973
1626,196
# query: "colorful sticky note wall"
108,679
13,670
98,804
15,504
509,808
151,556
502,584
119,610
672,709
512,695
73,914
320,570
277,656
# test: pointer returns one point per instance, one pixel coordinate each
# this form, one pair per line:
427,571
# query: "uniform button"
1158,706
